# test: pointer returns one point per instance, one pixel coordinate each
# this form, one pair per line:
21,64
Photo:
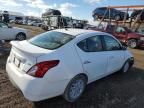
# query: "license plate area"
16,61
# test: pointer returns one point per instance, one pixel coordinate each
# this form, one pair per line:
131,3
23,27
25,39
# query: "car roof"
75,32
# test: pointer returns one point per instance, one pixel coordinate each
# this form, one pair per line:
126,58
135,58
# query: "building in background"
14,15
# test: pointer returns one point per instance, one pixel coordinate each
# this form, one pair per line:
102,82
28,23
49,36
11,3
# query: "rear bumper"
35,89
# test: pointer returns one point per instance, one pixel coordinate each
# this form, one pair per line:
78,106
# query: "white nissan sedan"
64,61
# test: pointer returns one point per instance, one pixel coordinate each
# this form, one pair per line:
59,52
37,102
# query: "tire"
117,17
125,67
75,88
20,36
132,43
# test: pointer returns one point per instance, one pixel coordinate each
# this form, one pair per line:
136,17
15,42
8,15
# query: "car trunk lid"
24,55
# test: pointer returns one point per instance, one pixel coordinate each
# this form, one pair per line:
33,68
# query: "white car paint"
72,62
10,33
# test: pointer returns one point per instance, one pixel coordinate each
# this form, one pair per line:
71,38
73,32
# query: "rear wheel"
132,43
21,36
75,88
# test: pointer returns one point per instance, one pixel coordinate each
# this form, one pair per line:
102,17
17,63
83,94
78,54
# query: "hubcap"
126,67
20,37
133,44
76,89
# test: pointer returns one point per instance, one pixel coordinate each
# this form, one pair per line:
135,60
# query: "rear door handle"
86,62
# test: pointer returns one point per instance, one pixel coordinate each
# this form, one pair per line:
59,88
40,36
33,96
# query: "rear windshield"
51,40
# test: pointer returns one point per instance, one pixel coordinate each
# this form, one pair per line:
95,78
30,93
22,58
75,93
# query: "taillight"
41,68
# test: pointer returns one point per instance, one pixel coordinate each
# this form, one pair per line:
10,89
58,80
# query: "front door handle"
86,62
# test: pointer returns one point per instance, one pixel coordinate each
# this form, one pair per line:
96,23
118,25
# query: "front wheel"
75,88
132,43
21,36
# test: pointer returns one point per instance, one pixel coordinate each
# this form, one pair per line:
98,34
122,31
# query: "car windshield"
51,40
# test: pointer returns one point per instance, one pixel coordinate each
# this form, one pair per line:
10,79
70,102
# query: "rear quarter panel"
69,65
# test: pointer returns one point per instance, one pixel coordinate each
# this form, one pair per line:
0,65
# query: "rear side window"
111,44
51,40
92,44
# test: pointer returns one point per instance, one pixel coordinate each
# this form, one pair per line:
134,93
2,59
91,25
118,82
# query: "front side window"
92,44
51,40
111,43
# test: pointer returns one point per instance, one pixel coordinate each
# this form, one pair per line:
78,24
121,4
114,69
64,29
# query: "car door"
114,52
120,33
5,32
94,60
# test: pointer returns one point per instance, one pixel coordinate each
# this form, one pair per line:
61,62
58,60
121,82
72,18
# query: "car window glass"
111,43
92,44
3,25
51,40
120,30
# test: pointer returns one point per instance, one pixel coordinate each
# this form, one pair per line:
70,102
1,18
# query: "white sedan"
64,61
12,33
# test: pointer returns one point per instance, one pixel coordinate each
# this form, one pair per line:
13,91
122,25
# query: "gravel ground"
114,91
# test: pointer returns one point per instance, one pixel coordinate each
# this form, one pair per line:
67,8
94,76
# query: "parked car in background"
98,13
125,35
64,61
135,13
18,21
35,23
12,33
141,31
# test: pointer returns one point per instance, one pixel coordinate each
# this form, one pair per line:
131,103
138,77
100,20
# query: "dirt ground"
115,91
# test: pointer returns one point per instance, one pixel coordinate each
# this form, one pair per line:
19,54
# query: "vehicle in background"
51,12
125,35
9,33
135,13
57,21
64,61
12,21
91,28
53,20
34,23
18,20
98,13
141,31
79,23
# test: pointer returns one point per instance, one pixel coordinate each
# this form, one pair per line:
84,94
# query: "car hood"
134,34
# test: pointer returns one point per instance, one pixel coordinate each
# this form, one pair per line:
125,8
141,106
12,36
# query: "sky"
81,9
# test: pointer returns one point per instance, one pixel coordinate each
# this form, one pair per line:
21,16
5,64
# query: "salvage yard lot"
115,91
